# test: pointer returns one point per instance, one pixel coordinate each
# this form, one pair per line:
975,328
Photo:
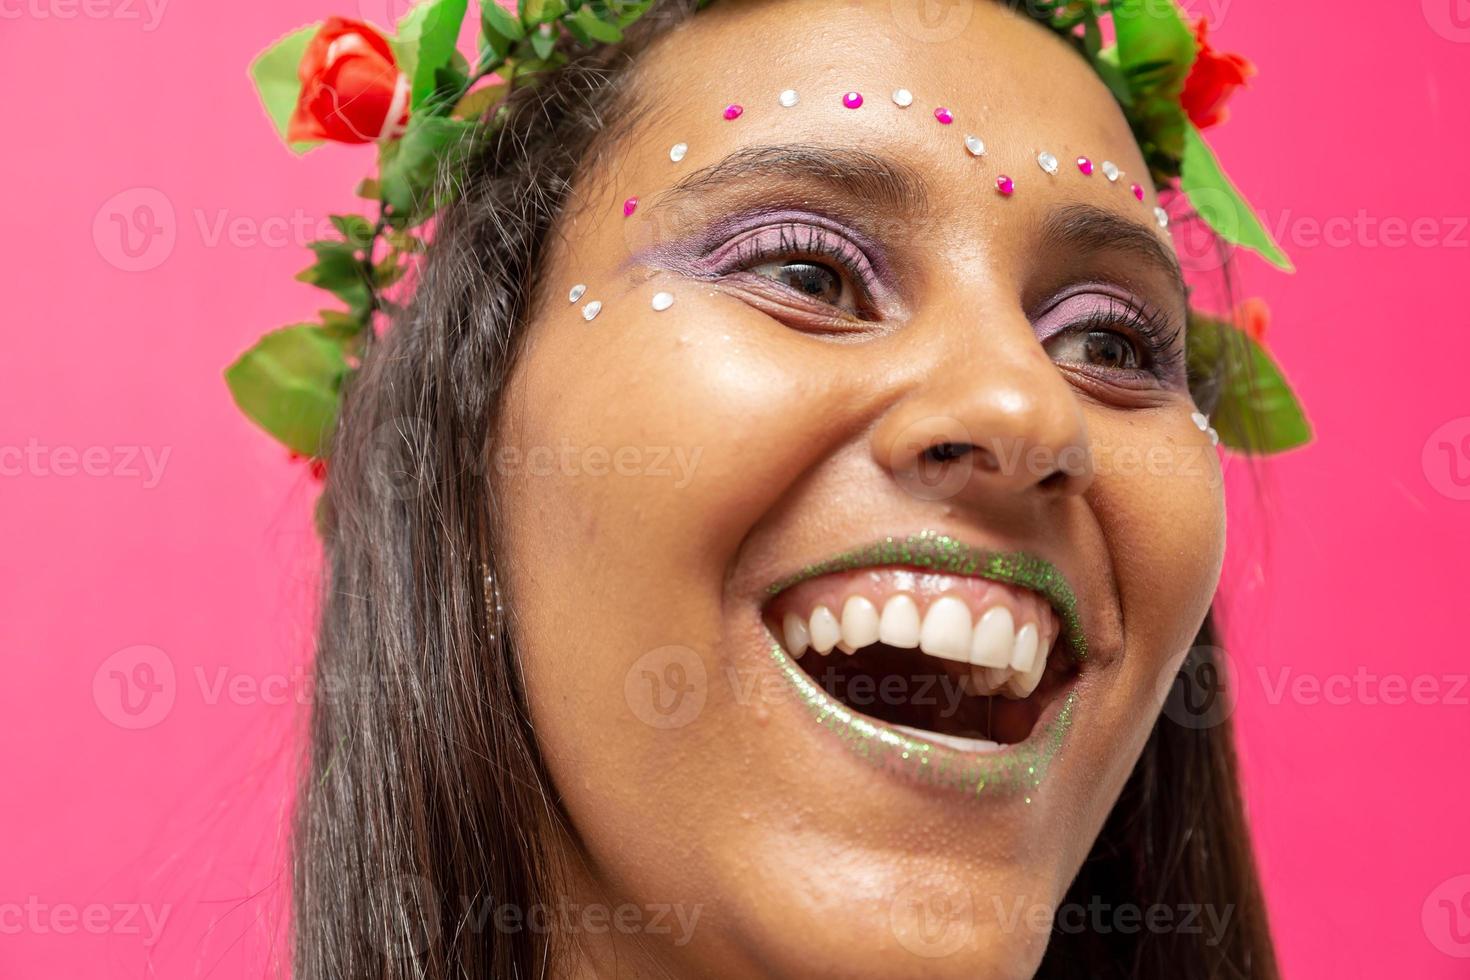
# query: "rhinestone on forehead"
578,291
853,100
590,311
734,111
662,301
789,98
975,145
1110,171
678,151
903,98
1005,185
1048,162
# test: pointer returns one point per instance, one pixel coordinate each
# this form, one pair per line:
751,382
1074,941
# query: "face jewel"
1110,171
903,98
677,151
1048,162
1137,190
629,206
662,301
975,145
578,291
1202,422
789,98
1005,185
733,111
1084,165
590,311
853,100
944,115
1162,217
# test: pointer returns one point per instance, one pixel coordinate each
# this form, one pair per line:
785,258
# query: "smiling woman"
872,688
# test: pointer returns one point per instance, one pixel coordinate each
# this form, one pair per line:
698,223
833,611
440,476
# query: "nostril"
944,452
1054,481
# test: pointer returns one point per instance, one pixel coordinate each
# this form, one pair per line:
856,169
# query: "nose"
991,421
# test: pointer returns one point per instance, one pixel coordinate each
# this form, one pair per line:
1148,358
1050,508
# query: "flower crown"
423,105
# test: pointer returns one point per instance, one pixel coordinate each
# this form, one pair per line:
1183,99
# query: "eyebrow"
1087,228
888,183
856,174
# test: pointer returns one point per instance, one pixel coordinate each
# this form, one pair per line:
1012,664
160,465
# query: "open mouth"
948,657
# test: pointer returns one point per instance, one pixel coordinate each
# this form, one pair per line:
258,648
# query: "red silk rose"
351,88
1212,81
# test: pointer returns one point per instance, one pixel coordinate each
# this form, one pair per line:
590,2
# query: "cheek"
1160,502
634,455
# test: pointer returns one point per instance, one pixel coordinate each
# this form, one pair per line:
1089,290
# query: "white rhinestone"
662,301
1110,171
1162,216
975,145
1048,162
676,153
789,98
1201,421
590,311
576,293
903,97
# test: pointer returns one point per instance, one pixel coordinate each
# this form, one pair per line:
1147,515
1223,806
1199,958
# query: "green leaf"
1155,46
1220,203
274,72
475,104
424,42
410,170
356,230
289,384
542,11
1257,412
338,269
587,23
543,41
499,26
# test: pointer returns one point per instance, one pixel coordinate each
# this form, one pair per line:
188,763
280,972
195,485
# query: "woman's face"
890,408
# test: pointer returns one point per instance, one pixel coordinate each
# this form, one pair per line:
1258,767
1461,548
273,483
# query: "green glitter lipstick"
958,761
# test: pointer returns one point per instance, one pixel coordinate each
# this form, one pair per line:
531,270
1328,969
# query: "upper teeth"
1004,659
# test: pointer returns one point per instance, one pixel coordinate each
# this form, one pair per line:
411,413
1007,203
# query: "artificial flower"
1212,81
351,88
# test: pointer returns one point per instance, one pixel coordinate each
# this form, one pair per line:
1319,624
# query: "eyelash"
800,241
1156,337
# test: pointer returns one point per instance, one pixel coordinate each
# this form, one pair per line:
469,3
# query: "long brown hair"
425,802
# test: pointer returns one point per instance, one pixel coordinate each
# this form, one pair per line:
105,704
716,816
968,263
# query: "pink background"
1348,563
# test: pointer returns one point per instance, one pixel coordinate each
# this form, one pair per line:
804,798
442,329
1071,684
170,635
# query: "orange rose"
351,88
1212,81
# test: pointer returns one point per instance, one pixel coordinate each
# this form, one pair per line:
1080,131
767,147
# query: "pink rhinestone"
1137,191
629,206
853,100
1005,185
1084,165
944,115
733,111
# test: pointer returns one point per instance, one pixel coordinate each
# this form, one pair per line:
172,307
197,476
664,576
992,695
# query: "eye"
1099,348
814,279
1111,337
803,270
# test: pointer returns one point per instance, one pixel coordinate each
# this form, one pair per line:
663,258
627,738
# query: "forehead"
1004,78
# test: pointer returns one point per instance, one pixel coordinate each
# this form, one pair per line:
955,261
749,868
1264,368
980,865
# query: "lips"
967,652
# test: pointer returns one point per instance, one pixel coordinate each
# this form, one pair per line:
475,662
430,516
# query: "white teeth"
994,638
825,633
1022,684
953,741
1024,653
859,622
899,625
797,638
946,631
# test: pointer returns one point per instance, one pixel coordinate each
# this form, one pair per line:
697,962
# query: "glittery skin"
1019,767
942,553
